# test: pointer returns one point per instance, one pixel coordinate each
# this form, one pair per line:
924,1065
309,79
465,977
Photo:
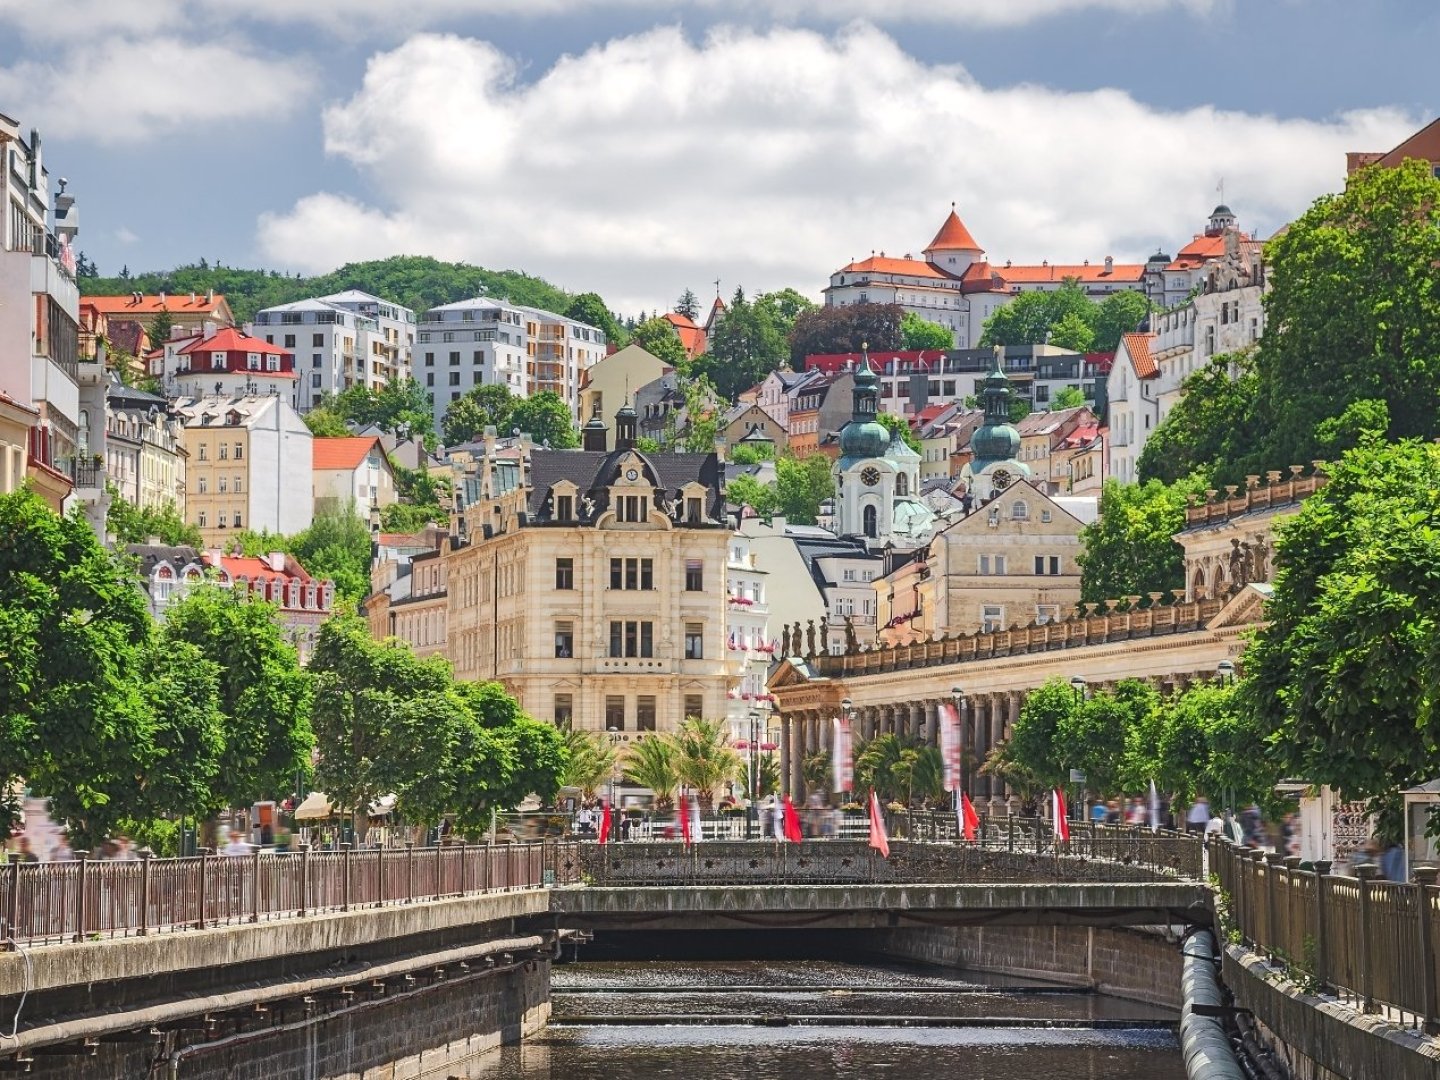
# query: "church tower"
995,446
953,250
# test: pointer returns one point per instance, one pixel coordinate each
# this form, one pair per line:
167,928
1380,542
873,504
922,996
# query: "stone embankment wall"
1141,964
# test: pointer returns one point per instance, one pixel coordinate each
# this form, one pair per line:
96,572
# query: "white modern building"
346,339
1134,404
484,342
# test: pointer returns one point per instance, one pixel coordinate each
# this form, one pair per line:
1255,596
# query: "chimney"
276,561
1109,264
209,296
162,297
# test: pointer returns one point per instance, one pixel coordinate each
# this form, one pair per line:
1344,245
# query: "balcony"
85,472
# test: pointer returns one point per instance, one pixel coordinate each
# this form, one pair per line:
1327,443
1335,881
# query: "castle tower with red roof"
953,249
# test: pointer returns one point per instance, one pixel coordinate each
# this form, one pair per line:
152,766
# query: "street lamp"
1077,686
614,735
1226,671
957,695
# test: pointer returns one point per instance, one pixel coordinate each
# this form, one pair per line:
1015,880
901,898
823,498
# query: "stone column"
970,716
917,721
797,758
785,754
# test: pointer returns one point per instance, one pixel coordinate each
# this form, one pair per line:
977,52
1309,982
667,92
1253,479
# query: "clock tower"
877,477
995,446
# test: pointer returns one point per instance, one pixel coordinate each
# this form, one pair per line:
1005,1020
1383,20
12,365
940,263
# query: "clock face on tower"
631,474
870,476
1001,479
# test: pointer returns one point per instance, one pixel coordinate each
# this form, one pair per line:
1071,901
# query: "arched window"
902,484
1019,510
871,522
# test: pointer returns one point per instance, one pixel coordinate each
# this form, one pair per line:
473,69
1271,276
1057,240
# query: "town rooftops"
990,277
953,236
592,472
153,304
881,264
343,452
229,339
1138,346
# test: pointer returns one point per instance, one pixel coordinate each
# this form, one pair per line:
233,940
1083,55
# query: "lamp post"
1225,670
1225,675
613,733
1077,686
957,696
847,711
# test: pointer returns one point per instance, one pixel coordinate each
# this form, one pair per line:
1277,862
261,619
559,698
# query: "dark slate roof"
813,548
592,471
150,556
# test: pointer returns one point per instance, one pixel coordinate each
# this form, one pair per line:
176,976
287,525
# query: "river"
759,1019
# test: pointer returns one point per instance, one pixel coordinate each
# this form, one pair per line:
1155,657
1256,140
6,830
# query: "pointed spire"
953,236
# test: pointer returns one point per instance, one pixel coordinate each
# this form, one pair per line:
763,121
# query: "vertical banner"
950,745
842,757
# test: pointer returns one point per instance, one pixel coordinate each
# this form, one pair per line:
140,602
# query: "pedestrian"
237,844
1393,864
1198,816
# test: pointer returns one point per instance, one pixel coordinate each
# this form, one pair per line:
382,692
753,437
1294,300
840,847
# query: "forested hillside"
417,281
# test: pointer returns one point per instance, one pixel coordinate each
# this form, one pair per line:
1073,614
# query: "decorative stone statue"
1260,558
851,644
1239,564
785,649
810,639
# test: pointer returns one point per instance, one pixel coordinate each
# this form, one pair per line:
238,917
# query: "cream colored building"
414,607
1010,562
612,382
248,466
352,472
16,422
593,585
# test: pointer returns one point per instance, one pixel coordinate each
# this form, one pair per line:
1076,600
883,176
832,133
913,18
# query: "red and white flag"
792,823
842,757
879,840
605,823
1062,822
969,820
682,818
950,745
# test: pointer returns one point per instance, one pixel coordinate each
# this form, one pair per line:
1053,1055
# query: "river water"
798,1020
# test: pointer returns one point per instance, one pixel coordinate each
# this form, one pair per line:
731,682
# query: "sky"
638,148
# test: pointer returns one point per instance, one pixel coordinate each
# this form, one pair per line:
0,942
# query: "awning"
315,806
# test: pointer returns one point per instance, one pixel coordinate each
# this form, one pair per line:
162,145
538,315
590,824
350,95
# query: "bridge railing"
1371,943
86,899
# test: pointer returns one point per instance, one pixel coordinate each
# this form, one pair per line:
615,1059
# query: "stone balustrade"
1216,506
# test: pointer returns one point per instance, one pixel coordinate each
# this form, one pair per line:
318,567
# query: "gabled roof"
232,340
342,452
1045,422
175,303
1138,347
1202,249
591,472
691,336
985,276
953,236
880,264
257,569
1424,144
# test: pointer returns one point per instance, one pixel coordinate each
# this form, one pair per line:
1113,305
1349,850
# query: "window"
632,574
289,341
693,511
429,359
429,378
1019,510
1047,564
224,451
204,485
1045,514
564,711
902,484
222,485
564,573
203,455
1047,613
238,486
694,575
564,507
870,522
454,359
315,379
454,378
317,340
647,639
645,712
202,521
694,706
564,640
239,451
848,575
694,641
237,519
630,639
614,712
992,619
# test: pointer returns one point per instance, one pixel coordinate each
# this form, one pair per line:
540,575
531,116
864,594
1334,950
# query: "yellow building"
16,422
593,584
612,382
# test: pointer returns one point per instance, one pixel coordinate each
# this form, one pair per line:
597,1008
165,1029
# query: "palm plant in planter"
652,763
704,758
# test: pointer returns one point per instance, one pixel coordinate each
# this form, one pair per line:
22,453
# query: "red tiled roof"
153,305
954,235
343,452
1102,361
1082,436
691,336
1138,346
832,363
257,569
232,340
1201,250
880,264
982,274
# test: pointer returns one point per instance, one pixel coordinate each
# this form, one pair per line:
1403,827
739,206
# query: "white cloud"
651,163
126,89
126,235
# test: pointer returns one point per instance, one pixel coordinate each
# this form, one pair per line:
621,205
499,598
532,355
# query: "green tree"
592,762
1129,549
262,695
801,485
1210,427
335,546
752,453
1034,747
131,525
1068,397
326,422
704,759
1119,313
783,307
746,344
546,419
880,764
1353,314
184,760
1201,742
898,425
1094,737
688,305
1341,678
918,333
1072,331
400,408
745,490
590,309
160,328
402,517
651,763
845,329
660,339
491,405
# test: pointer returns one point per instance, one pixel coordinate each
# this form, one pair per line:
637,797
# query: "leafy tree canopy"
660,339
589,308
1208,426
749,341
485,406
688,305
1068,397
918,333
546,419
1129,549
845,329
1067,317
899,425
130,524
801,485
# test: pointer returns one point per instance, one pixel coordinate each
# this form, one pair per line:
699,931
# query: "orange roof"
1138,346
343,452
1094,273
153,305
879,264
257,569
953,235
1201,250
691,336
232,340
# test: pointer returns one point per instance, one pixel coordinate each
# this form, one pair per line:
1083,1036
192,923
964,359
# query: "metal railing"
1371,943
85,899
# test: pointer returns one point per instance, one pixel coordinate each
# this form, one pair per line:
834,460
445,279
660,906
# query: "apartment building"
346,339
748,642
484,342
249,466
39,308
224,362
593,584
1134,404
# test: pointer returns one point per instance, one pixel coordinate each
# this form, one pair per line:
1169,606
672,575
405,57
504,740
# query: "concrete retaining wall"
1320,1039
1141,965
